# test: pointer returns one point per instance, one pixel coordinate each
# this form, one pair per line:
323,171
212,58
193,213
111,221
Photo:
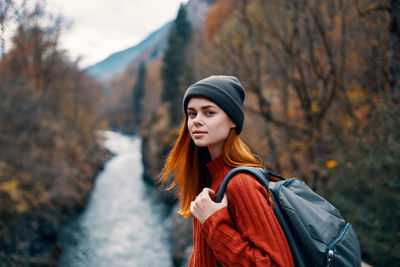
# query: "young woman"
241,230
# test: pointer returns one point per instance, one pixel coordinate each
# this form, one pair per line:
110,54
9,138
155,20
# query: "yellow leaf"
11,187
314,107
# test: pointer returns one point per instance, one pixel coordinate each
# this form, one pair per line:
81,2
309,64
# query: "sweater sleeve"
247,232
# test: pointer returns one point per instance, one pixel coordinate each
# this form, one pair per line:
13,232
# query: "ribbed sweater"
246,233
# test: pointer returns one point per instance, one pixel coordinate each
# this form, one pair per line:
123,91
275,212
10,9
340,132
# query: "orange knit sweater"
244,234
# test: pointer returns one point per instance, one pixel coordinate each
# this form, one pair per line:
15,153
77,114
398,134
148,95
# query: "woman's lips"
198,134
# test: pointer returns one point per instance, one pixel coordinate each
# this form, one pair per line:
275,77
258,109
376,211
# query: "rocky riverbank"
31,236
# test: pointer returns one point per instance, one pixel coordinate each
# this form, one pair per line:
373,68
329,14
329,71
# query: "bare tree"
297,59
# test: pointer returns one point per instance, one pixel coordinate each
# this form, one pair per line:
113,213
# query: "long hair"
187,163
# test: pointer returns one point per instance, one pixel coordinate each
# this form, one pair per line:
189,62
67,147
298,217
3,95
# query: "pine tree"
367,182
138,92
176,72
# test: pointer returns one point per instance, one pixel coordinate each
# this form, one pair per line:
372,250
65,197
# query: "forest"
323,103
50,113
322,84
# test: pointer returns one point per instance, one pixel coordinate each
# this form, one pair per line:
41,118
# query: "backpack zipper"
332,246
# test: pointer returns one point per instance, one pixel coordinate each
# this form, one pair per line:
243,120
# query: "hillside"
150,48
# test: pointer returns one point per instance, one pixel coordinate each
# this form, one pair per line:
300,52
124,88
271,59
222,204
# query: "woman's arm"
247,234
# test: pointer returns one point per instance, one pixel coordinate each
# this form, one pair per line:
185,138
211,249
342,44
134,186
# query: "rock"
182,238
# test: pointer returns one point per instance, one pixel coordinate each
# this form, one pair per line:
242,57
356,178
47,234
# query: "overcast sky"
102,27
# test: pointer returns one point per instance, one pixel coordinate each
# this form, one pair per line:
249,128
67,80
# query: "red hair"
187,163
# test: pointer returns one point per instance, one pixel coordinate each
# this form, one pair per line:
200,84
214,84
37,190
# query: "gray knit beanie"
225,91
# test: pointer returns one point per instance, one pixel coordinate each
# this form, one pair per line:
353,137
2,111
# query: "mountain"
150,48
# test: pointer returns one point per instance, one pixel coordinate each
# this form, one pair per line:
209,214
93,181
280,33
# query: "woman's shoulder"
244,190
244,182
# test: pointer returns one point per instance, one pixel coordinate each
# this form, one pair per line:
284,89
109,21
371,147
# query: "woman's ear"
233,125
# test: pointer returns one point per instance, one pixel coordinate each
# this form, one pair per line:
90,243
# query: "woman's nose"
198,121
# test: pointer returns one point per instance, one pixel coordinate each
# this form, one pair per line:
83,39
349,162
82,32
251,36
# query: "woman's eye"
210,113
192,114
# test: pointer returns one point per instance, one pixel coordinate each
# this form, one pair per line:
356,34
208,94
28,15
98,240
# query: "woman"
241,230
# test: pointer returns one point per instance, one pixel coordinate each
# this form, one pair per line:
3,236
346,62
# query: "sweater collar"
218,169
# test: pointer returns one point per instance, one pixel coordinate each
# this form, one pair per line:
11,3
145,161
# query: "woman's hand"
203,206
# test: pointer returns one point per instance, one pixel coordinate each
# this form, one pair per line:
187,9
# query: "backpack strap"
261,175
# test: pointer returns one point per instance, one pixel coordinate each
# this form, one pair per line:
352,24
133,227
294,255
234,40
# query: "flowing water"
122,224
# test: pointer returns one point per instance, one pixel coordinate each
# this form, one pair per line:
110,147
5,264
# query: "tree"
176,72
392,8
367,184
298,61
394,75
138,92
317,73
49,118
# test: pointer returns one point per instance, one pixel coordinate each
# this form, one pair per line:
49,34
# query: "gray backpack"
316,232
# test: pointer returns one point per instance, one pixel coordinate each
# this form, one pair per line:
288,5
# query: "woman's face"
208,125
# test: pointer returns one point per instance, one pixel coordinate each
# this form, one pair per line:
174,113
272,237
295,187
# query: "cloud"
101,27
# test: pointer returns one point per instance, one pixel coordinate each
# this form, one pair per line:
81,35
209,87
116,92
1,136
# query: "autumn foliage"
318,75
50,151
322,103
322,100
217,15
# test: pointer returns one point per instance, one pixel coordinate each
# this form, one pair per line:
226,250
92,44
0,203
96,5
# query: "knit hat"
225,91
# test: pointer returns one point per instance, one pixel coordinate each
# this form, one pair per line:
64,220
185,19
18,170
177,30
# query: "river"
122,224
